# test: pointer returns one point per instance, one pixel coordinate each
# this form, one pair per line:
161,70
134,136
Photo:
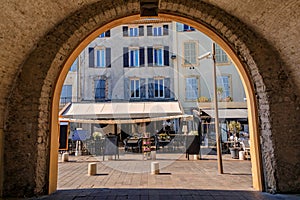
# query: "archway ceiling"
24,23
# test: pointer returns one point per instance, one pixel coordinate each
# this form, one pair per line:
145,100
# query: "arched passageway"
33,110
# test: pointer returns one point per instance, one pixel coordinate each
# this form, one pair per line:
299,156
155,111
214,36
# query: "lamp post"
217,127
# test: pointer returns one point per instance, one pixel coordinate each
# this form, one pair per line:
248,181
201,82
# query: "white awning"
121,110
228,113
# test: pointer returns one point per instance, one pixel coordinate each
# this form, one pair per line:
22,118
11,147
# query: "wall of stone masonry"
27,126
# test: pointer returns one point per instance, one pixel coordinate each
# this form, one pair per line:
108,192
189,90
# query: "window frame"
103,56
135,31
190,91
136,88
155,57
185,61
158,94
157,31
229,77
67,97
136,57
220,54
100,89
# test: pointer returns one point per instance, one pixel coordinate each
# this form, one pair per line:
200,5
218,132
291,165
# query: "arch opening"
248,85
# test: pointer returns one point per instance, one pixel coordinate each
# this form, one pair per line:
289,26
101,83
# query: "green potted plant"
97,135
219,93
234,127
203,99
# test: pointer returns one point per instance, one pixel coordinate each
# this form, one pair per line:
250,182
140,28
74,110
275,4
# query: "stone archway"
33,118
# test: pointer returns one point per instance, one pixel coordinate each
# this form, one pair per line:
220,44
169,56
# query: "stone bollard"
241,155
196,157
92,169
154,168
65,157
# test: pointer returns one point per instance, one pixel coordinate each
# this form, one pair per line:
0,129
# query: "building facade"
151,60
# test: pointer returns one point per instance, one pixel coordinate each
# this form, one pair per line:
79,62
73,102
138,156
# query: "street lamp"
212,56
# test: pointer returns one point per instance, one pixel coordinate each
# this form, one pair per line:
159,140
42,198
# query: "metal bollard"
92,169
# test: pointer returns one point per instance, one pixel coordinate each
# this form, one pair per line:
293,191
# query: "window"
100,88
221,56
190,53
100,58
187,28
133,32
158,56
66,94
159,88
224,83
105,34
183,27
73,67
135,88
157,31
191,91
134,57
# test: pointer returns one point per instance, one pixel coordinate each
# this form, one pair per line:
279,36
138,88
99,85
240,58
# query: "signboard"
63,135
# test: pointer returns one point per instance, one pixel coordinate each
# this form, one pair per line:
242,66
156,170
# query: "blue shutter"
185,27
151,88
141,30
107,33
125,31
102,88
125,57
91,57
166,56
143,88
126,89
108,57
150,56
167,88
149,30
142,56
165,29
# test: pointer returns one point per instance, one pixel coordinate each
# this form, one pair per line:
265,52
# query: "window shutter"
108,57
125,31
125,57
165,29
150,56
185,27
126,88
143,88
149,30
167,88
91,57
142,56
151,88
179,27
166,56
141,30
107,33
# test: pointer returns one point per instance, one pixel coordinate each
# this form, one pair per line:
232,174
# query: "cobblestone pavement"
129,178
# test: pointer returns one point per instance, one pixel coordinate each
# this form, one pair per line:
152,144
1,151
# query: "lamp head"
204,56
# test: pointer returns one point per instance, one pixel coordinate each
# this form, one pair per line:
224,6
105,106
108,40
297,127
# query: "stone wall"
27,126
